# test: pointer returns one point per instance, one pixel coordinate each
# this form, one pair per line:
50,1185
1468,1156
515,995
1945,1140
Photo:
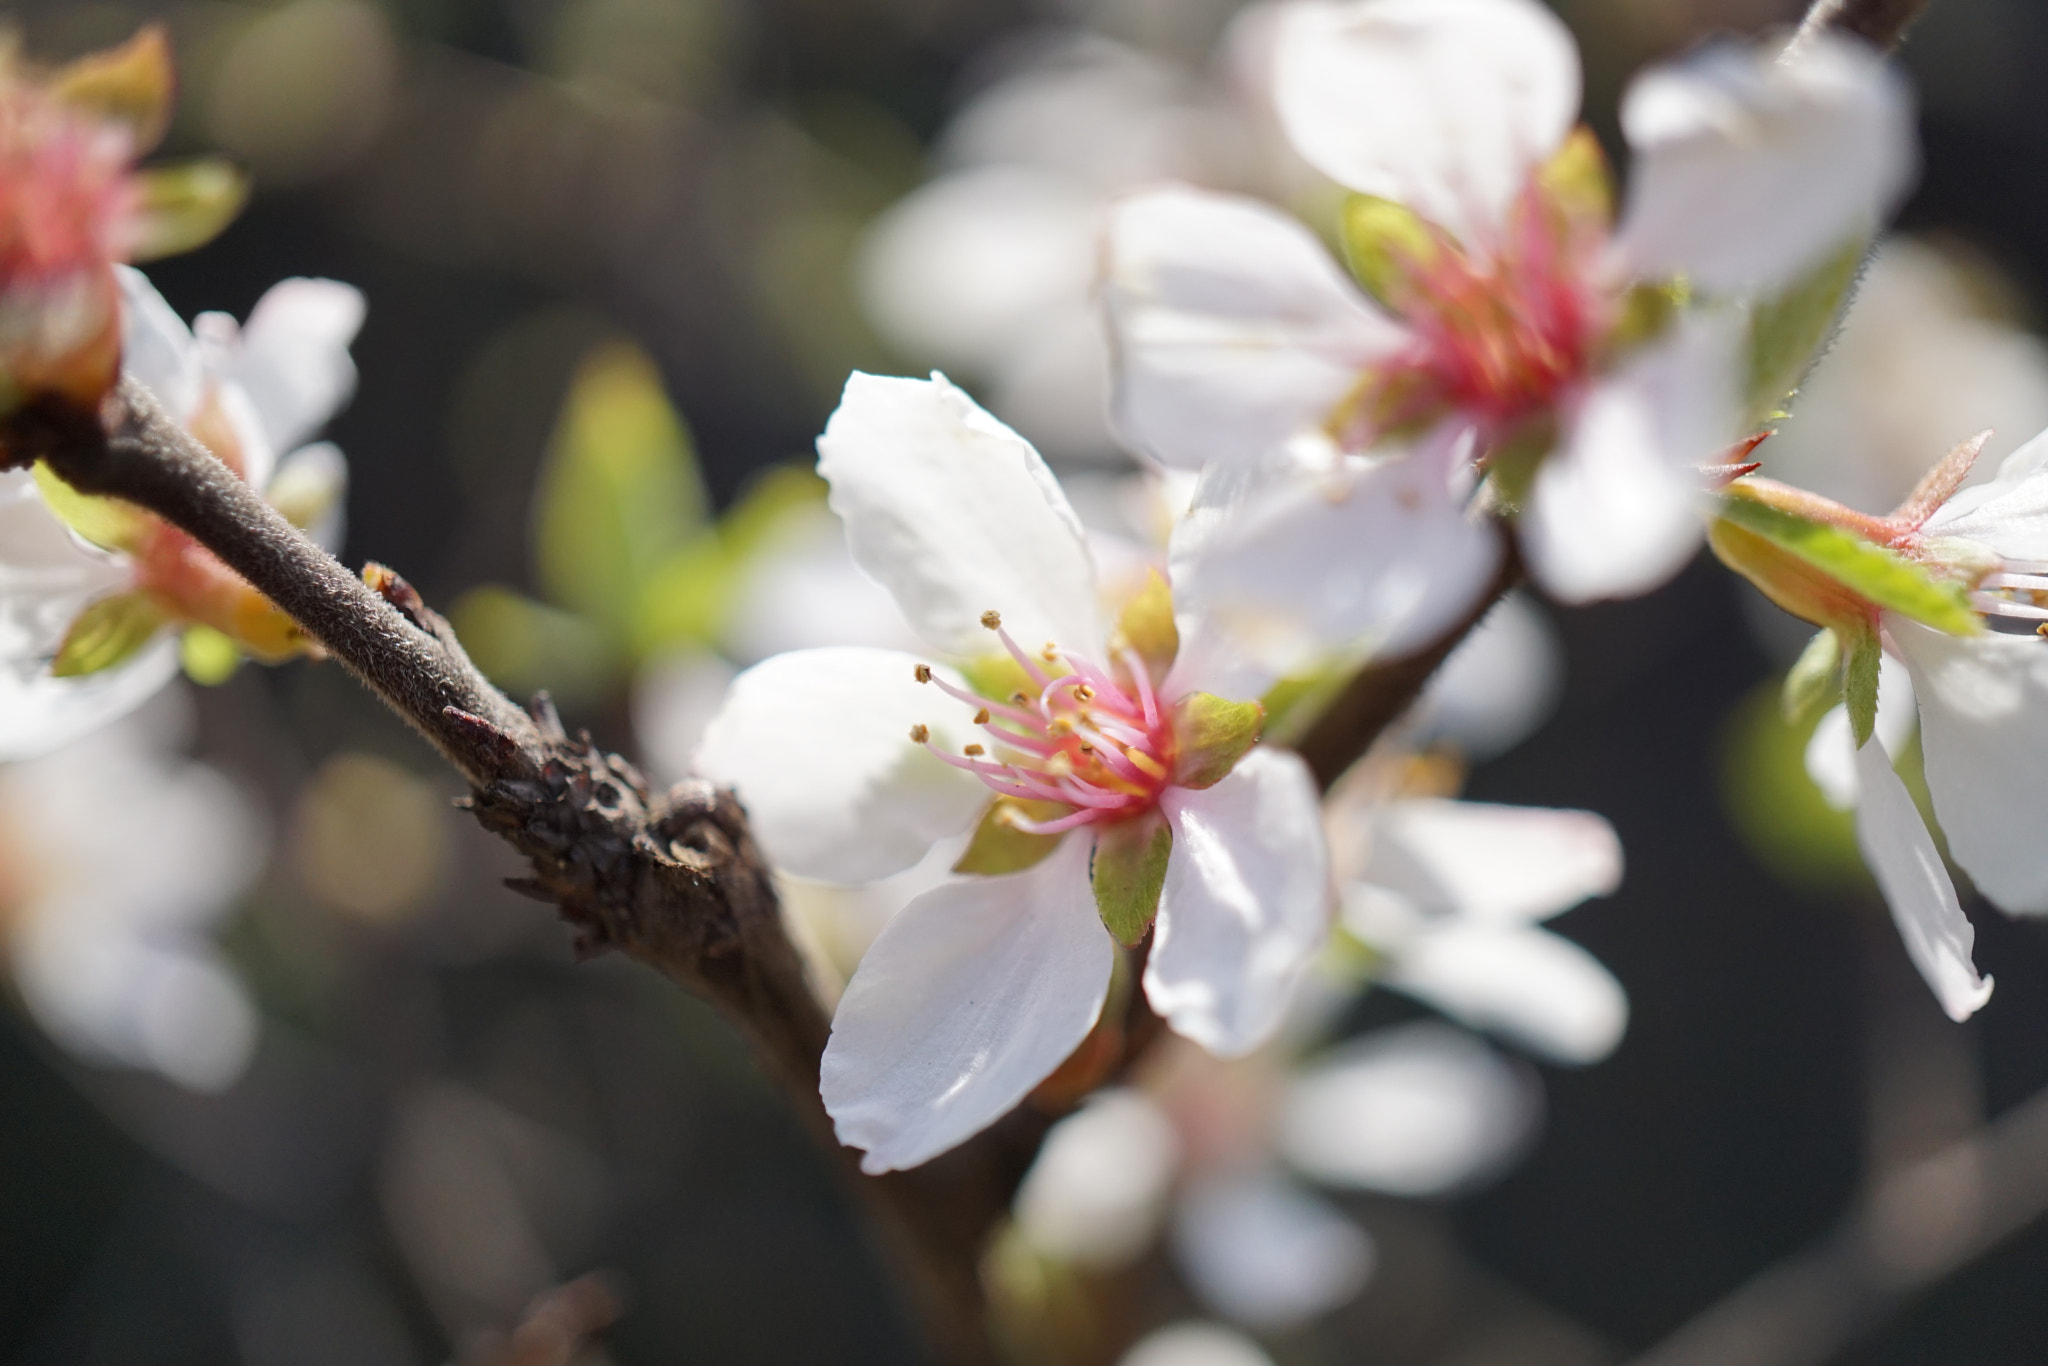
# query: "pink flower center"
1496,339
1090,739
67,200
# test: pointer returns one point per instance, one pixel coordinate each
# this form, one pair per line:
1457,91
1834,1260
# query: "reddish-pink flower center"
67,199
1094,740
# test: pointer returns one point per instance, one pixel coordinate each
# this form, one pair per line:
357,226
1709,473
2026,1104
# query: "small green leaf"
1859,685
1881,576
1385,244
525,646
1128,870
131,84
107,522
998,846
1211,735
107,633
1814,681
186,206
1787,332
1146,627
210,657
619,493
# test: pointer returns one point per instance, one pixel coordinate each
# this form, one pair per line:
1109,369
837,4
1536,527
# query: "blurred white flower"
117,859
1098,1189
1498,687
1265,1252
1243,347
1195,1344
978,989
251,393
989,269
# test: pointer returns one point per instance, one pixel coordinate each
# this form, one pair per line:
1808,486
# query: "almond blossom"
1109,791
1507,328
1950,585
92,592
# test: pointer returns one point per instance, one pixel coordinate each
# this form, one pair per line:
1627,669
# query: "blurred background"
619,255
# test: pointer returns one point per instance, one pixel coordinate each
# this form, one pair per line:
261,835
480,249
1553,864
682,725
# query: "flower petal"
956,515
1984,730
156,346
1615,510
968,999
1382,559
1192,1343
1831,751
1418,1110
1246,903
1265,1252
1498,864
2008,514
1446,106
1916,886
1536,988
817,744
1097,1191
1499,686
1749,171
1234,330
293,361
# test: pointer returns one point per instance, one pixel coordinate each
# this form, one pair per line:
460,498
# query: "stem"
1881,23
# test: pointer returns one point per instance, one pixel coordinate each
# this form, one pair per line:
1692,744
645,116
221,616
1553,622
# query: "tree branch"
1881,23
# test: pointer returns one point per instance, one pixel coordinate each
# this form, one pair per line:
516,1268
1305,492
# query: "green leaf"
1385,244
1146,627
132,84
525,646
107,522
107,633
1814,681
210,657
998,846
186,206
1211,735
1128,870
1773,805
1859,685
1881,576
1786,332
619,493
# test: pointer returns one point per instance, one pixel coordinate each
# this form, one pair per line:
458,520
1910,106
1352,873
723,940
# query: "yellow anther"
981,717
974,751
1019,699
924,673
992,619
1060,725
1050,654
1084,693
920,733
1145,763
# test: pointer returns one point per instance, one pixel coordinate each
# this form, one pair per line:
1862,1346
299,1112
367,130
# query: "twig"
1915,1227
1881,23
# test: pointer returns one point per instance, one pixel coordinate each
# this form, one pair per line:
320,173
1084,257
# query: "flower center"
1091,739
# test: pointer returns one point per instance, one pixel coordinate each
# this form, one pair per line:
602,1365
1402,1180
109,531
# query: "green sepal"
131,84
209,657
1859,685
1578,182
107,522
1146,627
1512,462
1296,702
107,633
1880,576
998,846
1210,735
1128,871
1814,680
186,206
1786,332
1647,312
1385,244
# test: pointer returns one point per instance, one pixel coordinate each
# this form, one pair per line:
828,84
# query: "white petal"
1615,510
40,713
1537,989
1445,106
1265,1252
970,997
1418,1110
956,514
1916,886
293,362
156,346
1381,559
1984,730
802,590
957,270
1498,864
1831,751
1234,330
675,699
2008,514
1500,685
1097,1192
817,744
1246,903
1195,1344
1749,171
314,478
